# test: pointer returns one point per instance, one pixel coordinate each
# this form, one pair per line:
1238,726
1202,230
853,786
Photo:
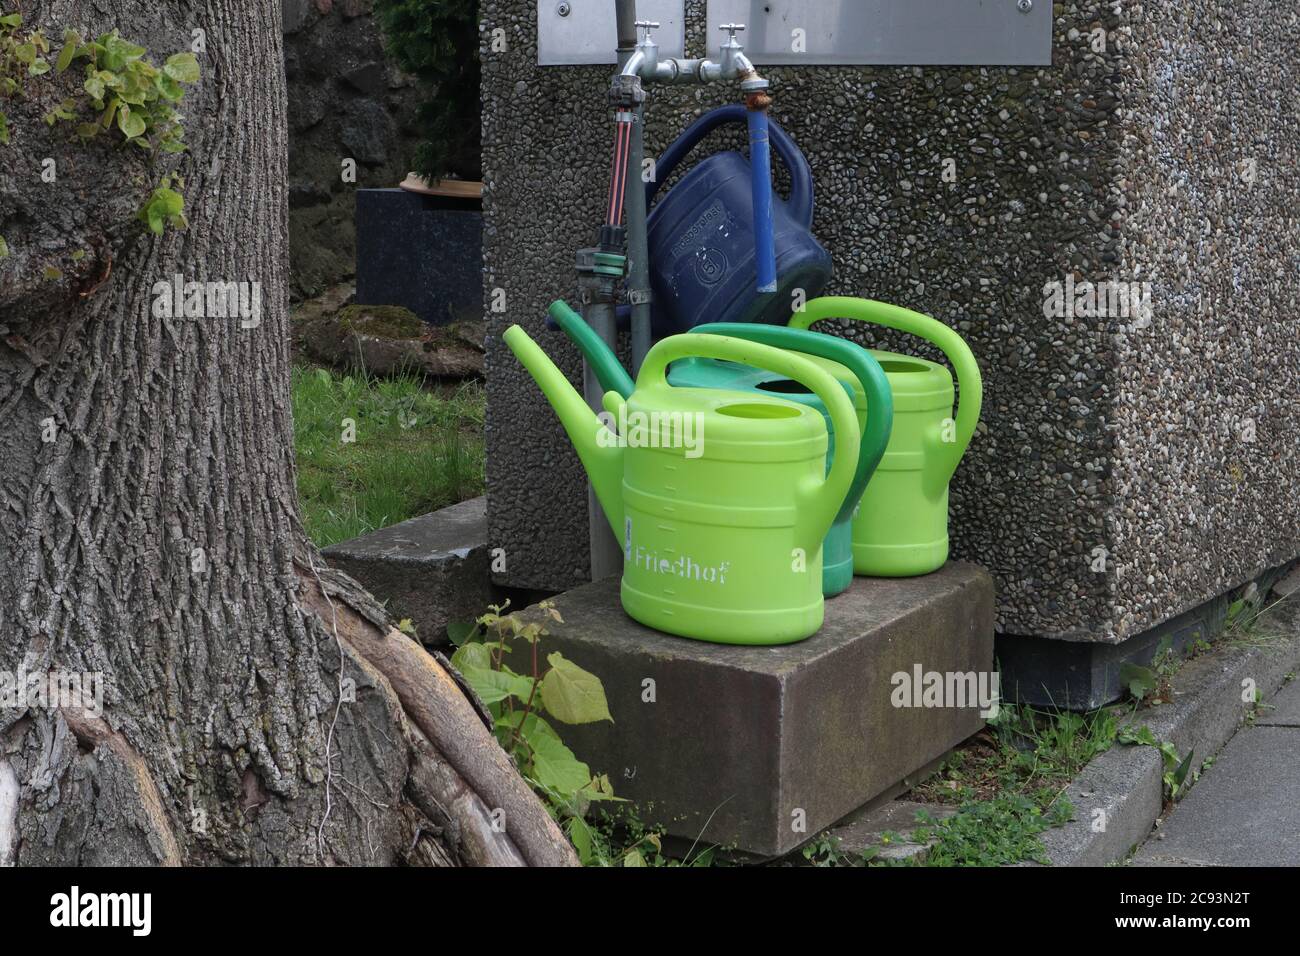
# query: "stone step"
433,569
759,749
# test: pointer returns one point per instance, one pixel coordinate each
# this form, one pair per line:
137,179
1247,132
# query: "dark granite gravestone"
421,252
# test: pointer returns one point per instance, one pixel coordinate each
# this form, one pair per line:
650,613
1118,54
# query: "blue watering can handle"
800,202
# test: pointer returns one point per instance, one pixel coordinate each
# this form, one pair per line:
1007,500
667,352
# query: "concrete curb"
1118,797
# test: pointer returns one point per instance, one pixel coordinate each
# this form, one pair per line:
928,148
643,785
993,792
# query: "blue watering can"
701,235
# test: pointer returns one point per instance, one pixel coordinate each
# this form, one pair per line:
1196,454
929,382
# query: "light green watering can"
721,498
902,525
849,363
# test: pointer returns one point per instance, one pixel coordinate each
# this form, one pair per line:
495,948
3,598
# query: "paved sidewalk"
1245,810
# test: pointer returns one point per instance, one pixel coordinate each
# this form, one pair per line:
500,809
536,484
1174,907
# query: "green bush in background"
437,41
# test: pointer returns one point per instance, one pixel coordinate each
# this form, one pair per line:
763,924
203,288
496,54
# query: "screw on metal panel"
564,9
1025,5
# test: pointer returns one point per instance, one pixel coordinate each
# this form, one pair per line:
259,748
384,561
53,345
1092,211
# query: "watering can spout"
597,446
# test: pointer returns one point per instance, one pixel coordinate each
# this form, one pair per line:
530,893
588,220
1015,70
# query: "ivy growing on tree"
122,94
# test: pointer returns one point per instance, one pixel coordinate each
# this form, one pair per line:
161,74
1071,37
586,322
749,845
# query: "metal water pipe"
624,253
644,65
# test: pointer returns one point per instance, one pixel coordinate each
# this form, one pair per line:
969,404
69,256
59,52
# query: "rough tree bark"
148,520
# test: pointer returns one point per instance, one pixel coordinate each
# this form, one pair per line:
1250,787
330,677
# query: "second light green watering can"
901,528
849,363
721,498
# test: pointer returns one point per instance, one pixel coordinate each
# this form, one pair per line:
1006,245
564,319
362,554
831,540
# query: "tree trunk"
257,707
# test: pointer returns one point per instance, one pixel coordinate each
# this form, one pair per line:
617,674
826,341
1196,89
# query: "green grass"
1007,783
414,451
1025,751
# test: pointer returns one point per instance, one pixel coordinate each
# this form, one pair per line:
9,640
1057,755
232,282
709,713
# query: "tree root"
94,732
460,773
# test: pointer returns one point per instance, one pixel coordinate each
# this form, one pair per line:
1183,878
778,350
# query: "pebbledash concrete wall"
1126,468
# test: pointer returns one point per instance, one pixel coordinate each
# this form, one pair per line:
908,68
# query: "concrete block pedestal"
759,749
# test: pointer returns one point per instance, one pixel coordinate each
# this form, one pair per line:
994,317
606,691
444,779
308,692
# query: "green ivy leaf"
11,20
94,86
25,53
53,273
556,768
182,67
573,695
39,67
119,52
4,130
130,123
168,88
106,120
164,206
67,53
4,248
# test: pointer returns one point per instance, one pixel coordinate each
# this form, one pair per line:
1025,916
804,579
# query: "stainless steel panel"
588,34
890,32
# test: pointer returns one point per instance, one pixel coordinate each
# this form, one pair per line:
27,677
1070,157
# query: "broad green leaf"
573,695
1139,680
580,837
4,130
4,248
182,67
25,53
95,87
471,655
53,272
494,686
633,857
534,727
458,632
39,67
557,769
11,20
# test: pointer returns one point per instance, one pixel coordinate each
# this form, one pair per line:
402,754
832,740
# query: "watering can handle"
828,494
800,202
601,358
933,331
880,399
